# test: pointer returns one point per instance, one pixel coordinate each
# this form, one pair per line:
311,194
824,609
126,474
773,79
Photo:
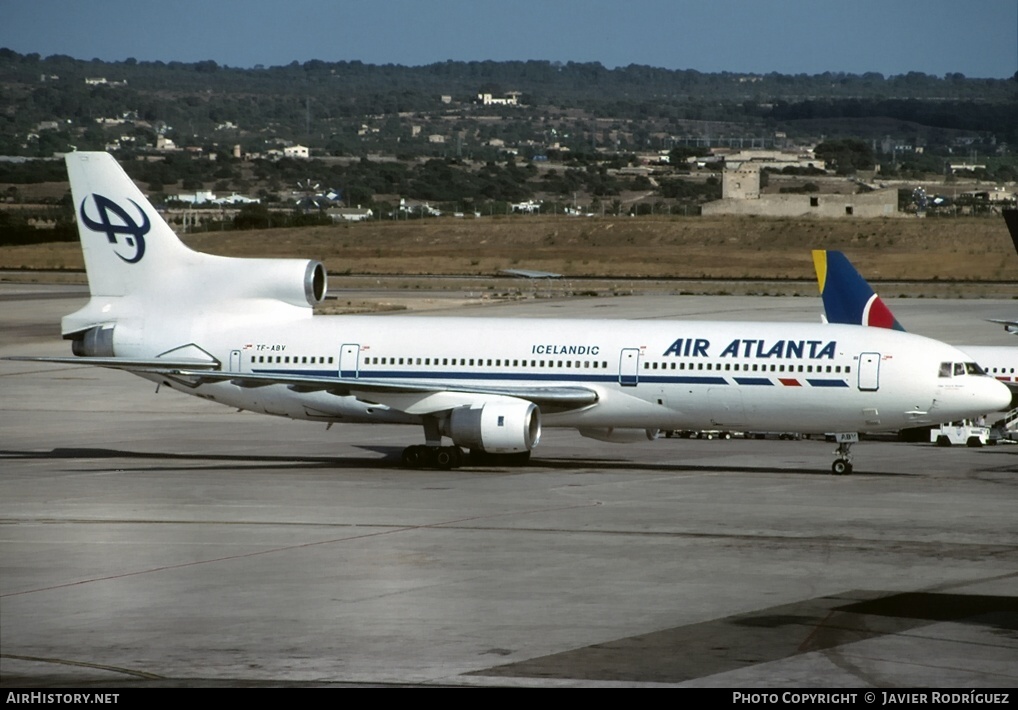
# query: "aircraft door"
629,367
349,360
869,372
235,361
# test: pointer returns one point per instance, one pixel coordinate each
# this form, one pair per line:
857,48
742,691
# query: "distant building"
298,152
207,197
741,196
349,214
775,159
742,183
102,81
512,98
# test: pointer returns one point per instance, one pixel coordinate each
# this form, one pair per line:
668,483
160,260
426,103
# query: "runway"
159,540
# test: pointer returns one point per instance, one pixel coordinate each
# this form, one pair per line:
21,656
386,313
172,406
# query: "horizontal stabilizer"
136,364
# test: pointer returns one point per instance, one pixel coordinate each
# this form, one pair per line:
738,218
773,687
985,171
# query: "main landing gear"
843,464
449,457
432,454
443,457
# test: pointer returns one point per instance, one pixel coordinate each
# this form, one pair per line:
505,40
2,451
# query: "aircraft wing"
412,397
1010,326
409,396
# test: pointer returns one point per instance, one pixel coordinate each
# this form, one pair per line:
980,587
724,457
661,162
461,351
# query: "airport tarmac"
159,540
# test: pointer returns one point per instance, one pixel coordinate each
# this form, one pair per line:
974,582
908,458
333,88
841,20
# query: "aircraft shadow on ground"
390,460
822,624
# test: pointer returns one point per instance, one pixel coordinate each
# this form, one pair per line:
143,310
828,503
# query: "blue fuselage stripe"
453,376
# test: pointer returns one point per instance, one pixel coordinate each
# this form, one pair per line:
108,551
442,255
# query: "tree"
847,155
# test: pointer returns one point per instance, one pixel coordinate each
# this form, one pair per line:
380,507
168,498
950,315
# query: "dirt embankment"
958,249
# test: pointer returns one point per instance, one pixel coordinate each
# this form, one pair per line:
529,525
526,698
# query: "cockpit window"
957,369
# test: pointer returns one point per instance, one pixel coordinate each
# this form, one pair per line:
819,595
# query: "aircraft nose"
997,396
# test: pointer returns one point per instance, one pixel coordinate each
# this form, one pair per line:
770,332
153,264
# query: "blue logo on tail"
134,232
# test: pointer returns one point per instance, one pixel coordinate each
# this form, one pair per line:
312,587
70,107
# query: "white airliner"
241,332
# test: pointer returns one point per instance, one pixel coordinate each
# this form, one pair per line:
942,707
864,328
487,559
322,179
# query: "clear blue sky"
978,38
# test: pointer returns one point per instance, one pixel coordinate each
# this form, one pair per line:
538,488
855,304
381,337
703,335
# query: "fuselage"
647,374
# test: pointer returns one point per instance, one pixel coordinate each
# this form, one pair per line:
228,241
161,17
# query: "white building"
298,152
510,99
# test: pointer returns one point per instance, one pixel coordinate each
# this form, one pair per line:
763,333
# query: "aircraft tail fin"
1011,220
126,242
846,295
136,263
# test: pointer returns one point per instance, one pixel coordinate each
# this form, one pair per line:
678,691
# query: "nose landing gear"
843,463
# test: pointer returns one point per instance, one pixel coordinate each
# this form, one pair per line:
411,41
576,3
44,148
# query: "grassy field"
944,250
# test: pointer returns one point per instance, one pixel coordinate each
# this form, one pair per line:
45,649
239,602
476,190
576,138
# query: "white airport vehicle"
963,432
241,332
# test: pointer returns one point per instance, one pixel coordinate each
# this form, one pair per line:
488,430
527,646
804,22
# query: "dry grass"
962,249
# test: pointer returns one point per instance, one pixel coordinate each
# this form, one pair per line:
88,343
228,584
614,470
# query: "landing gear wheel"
447,457
414,456
843,462
841,467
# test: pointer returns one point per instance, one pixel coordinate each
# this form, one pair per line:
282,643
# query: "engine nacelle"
295,281
298,282
94,342
499,427
620,435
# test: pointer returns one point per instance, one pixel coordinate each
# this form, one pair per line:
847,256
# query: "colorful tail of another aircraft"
846,295
1011,220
